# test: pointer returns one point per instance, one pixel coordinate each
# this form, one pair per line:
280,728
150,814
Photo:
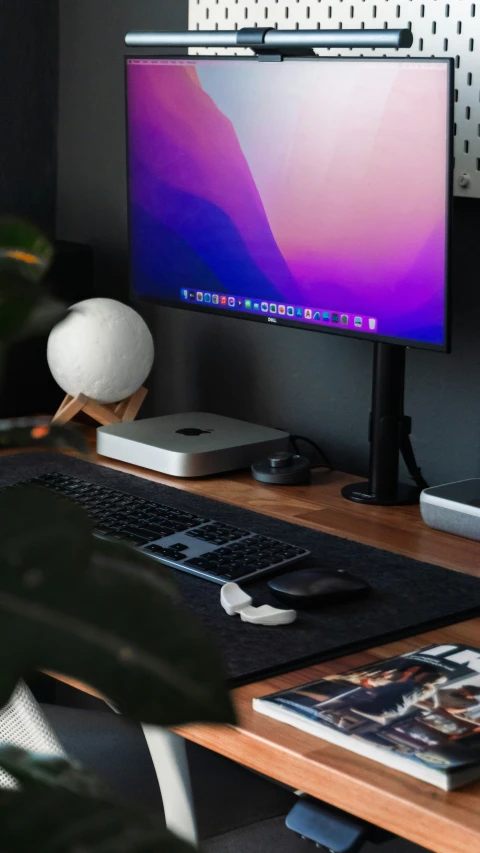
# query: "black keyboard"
215,551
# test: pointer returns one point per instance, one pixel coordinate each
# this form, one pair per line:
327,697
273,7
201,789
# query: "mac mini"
194,444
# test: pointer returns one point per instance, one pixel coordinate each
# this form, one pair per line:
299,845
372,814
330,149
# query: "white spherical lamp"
103,350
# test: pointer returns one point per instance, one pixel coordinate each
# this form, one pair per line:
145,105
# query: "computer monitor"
311,192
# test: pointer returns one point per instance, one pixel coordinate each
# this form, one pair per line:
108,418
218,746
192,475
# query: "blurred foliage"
100,612
89,608
26,307
62,809
39,433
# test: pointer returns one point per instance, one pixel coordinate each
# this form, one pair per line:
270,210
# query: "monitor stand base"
360,493
389,436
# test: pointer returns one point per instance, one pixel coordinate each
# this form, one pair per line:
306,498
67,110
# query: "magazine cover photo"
424,705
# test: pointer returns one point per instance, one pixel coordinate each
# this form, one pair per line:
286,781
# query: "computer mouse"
315,587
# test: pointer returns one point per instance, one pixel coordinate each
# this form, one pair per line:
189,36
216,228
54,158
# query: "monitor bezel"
286,322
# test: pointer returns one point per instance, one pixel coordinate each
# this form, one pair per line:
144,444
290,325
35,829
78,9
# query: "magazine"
418,713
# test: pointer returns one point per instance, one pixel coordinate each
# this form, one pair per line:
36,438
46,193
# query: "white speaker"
453,508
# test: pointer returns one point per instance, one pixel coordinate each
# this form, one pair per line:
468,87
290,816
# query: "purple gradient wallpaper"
315,184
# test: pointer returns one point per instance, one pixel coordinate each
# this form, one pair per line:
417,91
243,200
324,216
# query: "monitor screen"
312,193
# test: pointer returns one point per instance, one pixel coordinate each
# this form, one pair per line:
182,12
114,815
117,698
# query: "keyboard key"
232,573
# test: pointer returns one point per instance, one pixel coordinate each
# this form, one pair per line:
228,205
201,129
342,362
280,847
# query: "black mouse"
316,586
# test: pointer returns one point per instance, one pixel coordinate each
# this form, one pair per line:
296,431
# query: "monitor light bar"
272,39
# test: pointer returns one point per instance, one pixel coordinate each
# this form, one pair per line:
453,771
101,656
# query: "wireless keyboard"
212,550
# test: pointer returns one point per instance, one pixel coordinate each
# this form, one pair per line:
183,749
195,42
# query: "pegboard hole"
457,61
471,44
422,10
447,10
466,146
469,78
473,10
467,113
434,27
420,44
459,28
478,164
456,95
445,44
374,11
478,130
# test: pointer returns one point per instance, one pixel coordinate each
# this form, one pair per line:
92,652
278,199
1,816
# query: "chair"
23,724
228,803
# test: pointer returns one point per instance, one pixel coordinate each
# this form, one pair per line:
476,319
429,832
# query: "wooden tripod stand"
104,413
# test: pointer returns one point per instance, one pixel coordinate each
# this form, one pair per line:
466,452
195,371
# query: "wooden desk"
444,823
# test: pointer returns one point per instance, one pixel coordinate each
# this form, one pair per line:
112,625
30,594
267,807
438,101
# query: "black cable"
409,458
406,450
326,461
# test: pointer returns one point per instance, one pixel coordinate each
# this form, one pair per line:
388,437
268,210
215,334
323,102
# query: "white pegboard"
439,29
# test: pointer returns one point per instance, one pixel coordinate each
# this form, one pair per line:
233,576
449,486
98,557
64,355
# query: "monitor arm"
389,436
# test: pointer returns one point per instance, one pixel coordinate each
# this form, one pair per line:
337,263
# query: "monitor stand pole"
389,434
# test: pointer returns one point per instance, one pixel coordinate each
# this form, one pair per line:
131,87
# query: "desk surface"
441,822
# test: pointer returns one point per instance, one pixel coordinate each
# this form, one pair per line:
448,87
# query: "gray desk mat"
408,596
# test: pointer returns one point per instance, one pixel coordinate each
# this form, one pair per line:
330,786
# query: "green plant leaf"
40,433
18,297
99,612
24,249
60,809
45,314
30,768
25,307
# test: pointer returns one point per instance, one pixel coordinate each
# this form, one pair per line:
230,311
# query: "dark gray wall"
91,141
28,108
309,383
28,168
